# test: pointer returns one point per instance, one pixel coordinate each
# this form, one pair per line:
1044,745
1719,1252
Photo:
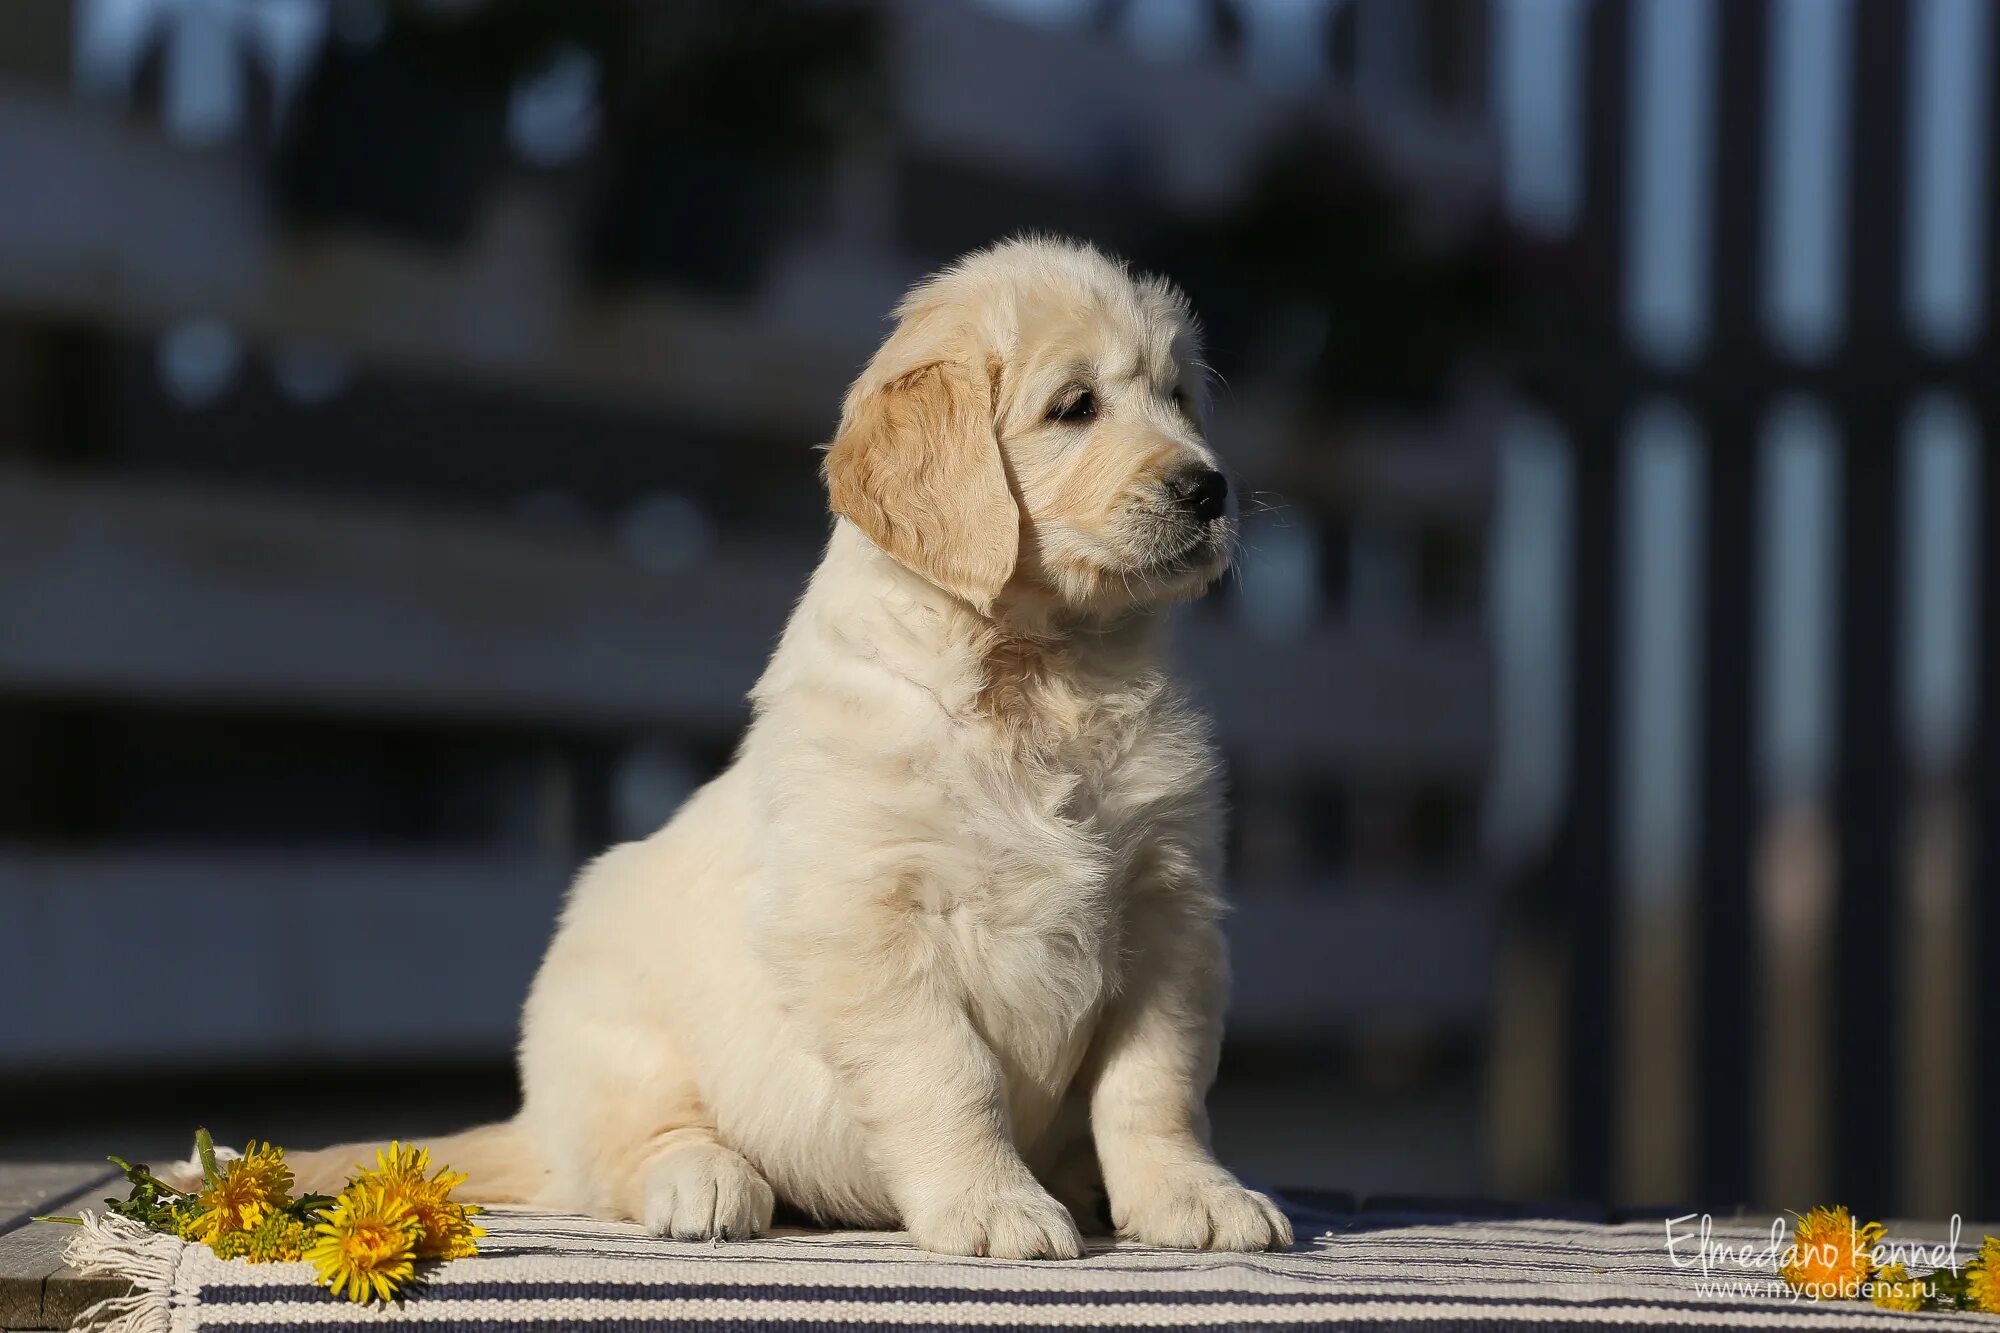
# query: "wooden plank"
1385,707
29,1256
1428,958
38,1290
1445,473
218,599
247,916
27,1188
116,590
66,1293
127,229
245,913
1199,127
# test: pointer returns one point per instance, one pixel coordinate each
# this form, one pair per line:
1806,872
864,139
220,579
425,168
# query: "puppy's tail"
499,1161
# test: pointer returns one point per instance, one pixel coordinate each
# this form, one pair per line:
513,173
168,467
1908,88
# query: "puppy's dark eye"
1073,405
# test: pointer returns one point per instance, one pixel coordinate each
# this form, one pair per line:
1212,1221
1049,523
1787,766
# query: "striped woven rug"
1349,1270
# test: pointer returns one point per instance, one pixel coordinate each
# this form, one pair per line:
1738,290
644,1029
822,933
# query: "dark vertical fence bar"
1983,975
1984,971
1594,405
1586,855
1724,932
1870,785
1868,809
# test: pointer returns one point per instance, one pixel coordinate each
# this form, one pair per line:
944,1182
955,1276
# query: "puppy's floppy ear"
917,467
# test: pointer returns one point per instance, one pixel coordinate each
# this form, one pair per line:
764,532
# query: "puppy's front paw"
1008,1222
1201,1212
703,1191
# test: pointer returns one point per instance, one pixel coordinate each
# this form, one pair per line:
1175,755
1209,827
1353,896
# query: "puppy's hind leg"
689,1186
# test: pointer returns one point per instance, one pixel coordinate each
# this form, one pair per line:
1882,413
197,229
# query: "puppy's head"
1031,435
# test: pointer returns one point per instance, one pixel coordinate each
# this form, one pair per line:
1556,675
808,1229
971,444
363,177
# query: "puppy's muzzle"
1200,492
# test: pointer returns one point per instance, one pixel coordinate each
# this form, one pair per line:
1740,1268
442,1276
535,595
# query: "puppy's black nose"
1202,491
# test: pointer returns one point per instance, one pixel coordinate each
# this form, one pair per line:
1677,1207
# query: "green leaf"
152,1202
309,1207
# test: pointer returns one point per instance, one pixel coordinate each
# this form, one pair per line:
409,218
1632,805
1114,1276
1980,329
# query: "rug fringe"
113,1246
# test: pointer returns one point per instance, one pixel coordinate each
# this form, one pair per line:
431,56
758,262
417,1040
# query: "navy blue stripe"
1347,1321
1352,1315
1631,1259
764,1291
1548,1262
1352,1240
700,1325
722,1291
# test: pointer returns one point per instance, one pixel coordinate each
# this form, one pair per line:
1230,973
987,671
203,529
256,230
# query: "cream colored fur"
939,949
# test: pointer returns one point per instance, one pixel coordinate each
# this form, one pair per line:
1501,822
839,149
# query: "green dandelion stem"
139,1175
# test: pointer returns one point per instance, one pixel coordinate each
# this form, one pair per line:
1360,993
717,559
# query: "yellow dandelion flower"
367,1246
398,1159
447,1228
449,1232
1982,1277
1894,1289
265,1165
278,1239
249,1188
1831,1257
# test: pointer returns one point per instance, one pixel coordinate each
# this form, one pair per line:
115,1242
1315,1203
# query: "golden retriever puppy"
939,949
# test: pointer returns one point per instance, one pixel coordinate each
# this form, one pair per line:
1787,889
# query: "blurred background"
407,416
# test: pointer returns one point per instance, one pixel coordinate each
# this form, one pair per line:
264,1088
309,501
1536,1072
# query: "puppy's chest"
1055,837
1057,831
